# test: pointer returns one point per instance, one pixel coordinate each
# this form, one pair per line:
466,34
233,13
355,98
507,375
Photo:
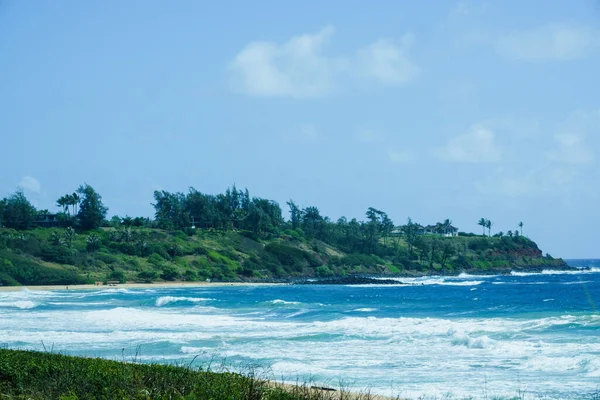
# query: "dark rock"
349,280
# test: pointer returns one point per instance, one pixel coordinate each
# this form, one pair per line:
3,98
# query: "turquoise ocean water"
479,336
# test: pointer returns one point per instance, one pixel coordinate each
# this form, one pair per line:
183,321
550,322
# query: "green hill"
64,256
235,237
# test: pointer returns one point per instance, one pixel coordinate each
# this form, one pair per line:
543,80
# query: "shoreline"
290,281
162,285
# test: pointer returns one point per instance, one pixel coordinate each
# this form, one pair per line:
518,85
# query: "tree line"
83,209
235,209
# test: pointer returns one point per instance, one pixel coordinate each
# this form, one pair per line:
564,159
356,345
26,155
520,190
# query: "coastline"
282,282
162,285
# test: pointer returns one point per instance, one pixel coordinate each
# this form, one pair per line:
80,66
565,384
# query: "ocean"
530,335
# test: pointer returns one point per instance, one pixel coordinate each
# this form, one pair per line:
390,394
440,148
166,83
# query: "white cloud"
400,156
296,68
543,179
546,164
572,140
477,145
30,184
387,62
301,68
570,148
551,42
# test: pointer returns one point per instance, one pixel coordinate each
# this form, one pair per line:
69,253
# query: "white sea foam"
283,302
464,275
164,300
420,355
22,304
195,350
461,338
556,272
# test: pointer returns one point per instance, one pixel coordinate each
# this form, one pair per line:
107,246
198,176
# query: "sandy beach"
169,285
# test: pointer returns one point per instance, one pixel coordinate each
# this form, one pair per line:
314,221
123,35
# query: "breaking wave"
22,304
283,302
164,300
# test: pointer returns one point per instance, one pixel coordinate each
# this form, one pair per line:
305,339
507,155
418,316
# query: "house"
449,231
46,220
441,229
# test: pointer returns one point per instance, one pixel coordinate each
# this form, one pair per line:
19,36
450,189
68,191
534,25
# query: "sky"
429,110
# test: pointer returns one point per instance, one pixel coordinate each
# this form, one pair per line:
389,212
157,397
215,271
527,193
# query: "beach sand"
163,285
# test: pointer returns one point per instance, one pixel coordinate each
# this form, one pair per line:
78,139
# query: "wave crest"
283,302
164,300
22,304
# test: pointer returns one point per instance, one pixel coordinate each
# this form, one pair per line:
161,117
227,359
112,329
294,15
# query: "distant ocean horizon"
583,262
470,335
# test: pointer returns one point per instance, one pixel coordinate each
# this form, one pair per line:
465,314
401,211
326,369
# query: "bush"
57,254
147,276
15,268
169,274
465,234
290,256
190,275
117,275
361,259
323,271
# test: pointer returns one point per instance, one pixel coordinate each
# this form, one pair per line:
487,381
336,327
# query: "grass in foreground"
37,375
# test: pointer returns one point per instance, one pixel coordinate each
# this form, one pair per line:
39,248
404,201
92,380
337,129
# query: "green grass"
37,375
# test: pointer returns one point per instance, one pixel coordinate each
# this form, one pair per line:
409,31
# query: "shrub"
57,254
169,274
155,259
190,275
116,275
323,271
289,256
15,268
147,276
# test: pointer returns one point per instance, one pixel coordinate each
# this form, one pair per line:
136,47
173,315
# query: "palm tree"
489,224
521,227
62,202
483,223
75,202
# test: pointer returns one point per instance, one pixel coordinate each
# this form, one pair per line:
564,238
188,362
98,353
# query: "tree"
171,211
75,202
411,231
521,227
69,236
448,251
295,214
91,211
92,243
483,223
488,225
312,222
17,211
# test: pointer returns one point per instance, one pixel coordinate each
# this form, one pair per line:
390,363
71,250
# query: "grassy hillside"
36,376
64,256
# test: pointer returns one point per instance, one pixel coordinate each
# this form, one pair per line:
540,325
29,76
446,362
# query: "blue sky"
433,110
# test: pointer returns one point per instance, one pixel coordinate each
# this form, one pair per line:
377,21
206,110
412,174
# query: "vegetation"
34,375
233,236
16,211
